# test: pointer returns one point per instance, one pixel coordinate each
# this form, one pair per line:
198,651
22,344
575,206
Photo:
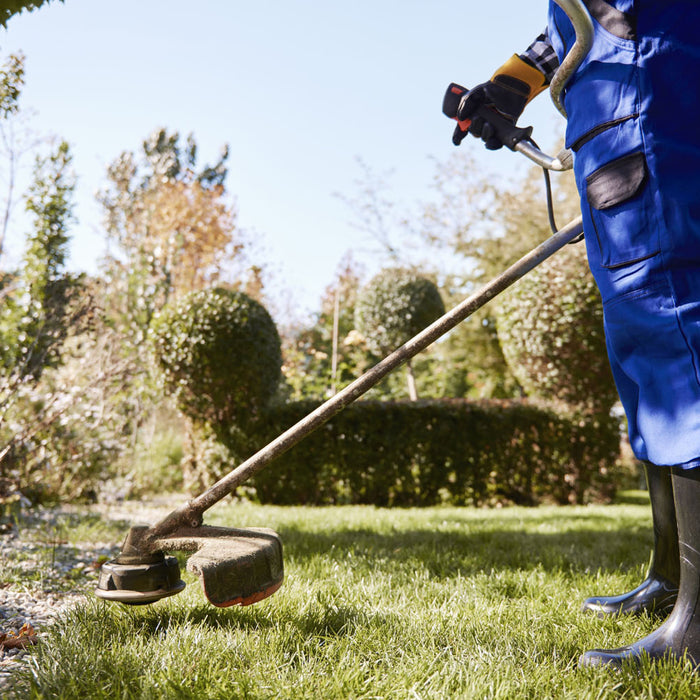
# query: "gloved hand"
509,90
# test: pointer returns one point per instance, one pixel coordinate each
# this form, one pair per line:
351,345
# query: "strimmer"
243,566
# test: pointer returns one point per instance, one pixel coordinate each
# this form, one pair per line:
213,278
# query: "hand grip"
507,133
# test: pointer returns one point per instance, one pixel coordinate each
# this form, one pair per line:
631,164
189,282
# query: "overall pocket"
622,211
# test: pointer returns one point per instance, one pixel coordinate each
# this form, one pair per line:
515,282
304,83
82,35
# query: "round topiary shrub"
550,327
395,305
219,354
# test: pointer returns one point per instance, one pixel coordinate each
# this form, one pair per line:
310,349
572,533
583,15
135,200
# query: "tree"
35,316
42,307
394,306
14,7
170,227
171,230
219,354
34,320
15,138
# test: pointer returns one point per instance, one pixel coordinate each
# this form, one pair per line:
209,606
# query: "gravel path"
42,577
22,614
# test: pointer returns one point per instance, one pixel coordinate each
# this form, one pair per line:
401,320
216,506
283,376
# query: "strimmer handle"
508,133
516,138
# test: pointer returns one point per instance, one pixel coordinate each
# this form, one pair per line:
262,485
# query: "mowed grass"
378,603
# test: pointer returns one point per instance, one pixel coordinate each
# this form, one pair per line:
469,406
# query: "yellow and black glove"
509,90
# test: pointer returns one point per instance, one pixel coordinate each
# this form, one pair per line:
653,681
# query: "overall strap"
618,23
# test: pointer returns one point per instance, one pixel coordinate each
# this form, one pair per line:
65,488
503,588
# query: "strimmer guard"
237,566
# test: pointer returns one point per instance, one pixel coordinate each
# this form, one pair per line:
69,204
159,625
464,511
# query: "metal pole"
334,340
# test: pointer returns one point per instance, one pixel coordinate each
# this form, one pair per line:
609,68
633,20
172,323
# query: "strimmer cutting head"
156,577
138,577
237,566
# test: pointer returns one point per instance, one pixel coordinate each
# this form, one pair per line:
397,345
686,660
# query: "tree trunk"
411,381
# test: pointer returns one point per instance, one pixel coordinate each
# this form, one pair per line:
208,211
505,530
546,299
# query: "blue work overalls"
633,123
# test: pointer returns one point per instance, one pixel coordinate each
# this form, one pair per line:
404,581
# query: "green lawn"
415,603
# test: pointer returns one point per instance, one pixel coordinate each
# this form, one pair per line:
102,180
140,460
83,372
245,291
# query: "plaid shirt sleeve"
541,55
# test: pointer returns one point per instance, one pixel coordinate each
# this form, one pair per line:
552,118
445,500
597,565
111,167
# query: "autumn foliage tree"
170,228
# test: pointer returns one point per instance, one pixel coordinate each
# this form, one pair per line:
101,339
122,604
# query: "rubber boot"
679,635
657,593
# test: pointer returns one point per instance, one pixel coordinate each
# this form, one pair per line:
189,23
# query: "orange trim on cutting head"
249,599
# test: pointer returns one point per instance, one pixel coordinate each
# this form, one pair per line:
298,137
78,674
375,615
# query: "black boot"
657,593
679,635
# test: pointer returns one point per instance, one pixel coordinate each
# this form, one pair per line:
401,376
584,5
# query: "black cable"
548,191
550,202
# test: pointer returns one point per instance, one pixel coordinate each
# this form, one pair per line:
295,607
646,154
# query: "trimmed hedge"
435,451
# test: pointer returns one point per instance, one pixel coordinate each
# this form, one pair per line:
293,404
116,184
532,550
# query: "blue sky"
299,89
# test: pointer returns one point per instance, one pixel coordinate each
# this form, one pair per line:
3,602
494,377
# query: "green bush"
394,306
550,326
428,452
219,354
